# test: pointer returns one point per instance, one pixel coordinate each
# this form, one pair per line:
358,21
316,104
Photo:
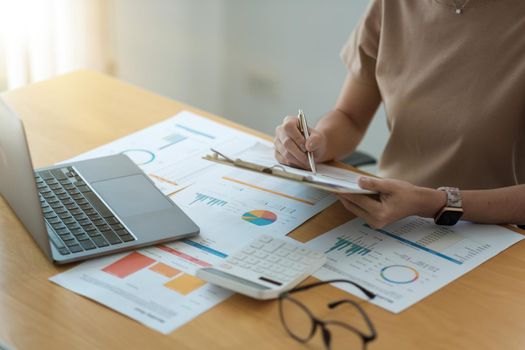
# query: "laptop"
84,209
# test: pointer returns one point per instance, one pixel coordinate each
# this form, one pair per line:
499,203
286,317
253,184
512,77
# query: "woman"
452,79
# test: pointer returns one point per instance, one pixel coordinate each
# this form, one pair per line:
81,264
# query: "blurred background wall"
250,61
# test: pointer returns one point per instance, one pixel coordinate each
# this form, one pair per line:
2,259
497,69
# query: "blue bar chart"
211,201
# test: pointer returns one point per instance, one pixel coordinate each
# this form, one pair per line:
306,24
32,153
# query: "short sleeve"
359,54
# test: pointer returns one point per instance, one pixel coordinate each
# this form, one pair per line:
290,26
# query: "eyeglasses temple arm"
368,293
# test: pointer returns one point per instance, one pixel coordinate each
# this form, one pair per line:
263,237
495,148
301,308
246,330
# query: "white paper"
238,206
408,260
146,286
171,151
263,154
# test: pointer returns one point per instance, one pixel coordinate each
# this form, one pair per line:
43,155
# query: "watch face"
449,217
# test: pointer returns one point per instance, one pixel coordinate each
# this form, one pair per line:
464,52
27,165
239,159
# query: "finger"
290,146
365,202
291,129
282,159
287,157
357,210
375,185
313,142
279,157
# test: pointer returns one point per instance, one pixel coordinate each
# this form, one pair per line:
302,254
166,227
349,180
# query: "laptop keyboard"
80,220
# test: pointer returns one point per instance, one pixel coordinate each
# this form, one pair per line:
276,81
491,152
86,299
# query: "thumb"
373,184
314,142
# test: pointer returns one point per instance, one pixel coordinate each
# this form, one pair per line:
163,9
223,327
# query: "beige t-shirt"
453,87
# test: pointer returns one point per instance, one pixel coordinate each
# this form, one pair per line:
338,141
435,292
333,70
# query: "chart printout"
408,260
239,206
147,286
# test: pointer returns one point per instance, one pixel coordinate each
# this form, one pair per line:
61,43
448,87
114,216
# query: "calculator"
264,268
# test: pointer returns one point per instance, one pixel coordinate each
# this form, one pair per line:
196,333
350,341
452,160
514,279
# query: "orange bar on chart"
164,270
184,284
268,190
128,265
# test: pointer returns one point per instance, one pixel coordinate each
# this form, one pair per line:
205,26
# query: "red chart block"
128,265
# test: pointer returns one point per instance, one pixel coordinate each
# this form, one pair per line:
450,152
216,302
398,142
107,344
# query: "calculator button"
282,252
265,264
260,255
298,267
248,250
294,257
259,269
285,263
302,251
241,256
289,247
226,266
265,239
273,259
272,246
257,245
252,260
307,261
277,269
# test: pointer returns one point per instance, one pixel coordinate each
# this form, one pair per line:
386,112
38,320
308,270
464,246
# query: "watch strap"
453,196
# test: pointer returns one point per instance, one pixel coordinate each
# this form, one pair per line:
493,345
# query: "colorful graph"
184,284
260,217
140,156
204,248
267,190
348,247
172,140
211,201
128,265
183,255
417,245
164,270
399,274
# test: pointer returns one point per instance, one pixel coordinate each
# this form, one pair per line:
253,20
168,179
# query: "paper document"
237,206
408,260
171,151
145,285
337,179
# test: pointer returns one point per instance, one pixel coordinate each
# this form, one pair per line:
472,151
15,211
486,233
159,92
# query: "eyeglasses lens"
296,319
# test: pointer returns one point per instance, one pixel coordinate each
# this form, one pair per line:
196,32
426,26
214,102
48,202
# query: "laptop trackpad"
131,195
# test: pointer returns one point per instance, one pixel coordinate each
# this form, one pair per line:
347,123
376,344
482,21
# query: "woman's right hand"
290,145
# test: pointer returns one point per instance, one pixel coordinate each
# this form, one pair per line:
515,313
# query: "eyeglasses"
301,324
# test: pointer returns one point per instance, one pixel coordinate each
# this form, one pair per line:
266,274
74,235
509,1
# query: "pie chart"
260,217
140,156
399,274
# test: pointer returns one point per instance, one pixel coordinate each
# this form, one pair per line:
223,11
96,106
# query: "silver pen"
303,127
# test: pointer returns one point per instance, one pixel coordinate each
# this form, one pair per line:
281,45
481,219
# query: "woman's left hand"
395,200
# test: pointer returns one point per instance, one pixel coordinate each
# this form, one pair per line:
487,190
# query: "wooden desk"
79,111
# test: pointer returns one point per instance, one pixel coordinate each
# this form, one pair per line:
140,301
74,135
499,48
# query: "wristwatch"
453,210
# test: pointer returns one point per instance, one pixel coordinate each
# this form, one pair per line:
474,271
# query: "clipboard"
280,172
